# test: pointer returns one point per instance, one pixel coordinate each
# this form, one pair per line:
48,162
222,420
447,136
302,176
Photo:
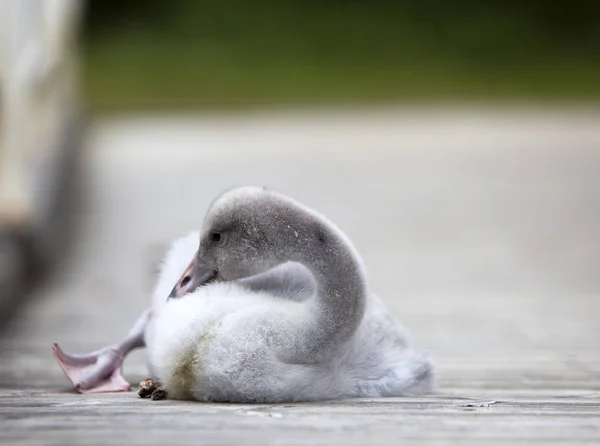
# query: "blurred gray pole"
39,94
19,48
38,91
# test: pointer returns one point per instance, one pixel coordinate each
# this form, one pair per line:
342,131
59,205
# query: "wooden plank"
492,269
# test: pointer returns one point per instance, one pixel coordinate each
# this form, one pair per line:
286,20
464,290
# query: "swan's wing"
290,280
382,360
379,322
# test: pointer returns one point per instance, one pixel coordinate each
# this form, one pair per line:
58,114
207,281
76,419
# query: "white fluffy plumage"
242,340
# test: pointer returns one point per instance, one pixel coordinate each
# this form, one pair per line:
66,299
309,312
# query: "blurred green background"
235,53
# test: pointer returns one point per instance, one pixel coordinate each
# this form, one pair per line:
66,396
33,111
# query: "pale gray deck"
481,231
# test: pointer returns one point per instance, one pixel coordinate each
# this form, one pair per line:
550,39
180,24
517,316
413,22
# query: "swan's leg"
101,371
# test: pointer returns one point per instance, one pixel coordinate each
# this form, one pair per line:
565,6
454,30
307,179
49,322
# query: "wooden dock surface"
481,230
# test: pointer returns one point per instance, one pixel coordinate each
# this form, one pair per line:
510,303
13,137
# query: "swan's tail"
410,374
413,375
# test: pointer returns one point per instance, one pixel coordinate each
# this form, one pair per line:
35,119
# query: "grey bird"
273,307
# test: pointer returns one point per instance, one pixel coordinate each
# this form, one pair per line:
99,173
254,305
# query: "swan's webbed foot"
97,372
101,371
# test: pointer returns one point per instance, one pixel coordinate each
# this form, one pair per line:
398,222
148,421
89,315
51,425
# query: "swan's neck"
338,307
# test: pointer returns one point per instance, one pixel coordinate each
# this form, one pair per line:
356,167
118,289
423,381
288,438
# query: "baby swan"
274,307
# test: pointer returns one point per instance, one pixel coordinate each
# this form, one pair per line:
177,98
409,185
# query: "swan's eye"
215,236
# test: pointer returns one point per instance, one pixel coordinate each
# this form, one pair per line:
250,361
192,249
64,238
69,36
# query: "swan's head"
248,231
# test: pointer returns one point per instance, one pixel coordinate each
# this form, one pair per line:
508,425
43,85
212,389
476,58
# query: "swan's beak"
194,276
